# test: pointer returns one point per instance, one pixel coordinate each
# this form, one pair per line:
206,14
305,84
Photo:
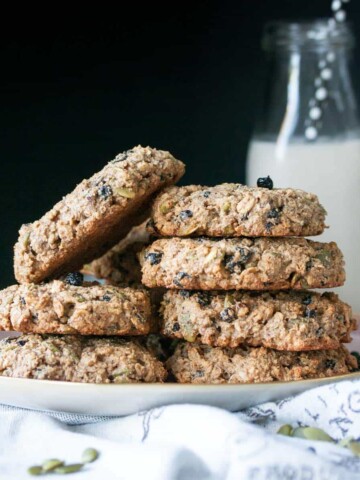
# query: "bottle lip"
311,35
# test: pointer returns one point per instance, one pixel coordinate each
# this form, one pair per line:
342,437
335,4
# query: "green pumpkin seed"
50,465
35,470
228,230
345,442
164,208
312,433
325,258
355,448
121,374
226,207
229,300
89,455
27,240
53,348
125,192
285,430
75,467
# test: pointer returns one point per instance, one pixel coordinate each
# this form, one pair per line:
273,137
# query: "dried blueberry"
154,257
268,226
22,301
274,213
176,327
106,298
235,264
307,300
309,313
74,278
227,315
308,265
265,182
180,276
185,293
185,214
105,191
198,373
21,343
245,254
203,299
329,363
206,194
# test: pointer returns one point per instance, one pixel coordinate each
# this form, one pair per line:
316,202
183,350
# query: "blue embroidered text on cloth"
192,442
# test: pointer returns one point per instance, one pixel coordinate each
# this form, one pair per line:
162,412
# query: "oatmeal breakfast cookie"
235,210
242,264
95,216
291,320
79,359
195,363
63,308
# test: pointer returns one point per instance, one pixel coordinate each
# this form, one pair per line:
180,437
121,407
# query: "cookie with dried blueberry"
291,320
74,358
201,364
95,216
235,210
242,264
70,307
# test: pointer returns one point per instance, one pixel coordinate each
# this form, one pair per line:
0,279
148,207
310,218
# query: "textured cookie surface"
232,210
293,321
120,265
194,363
57,307
242,264
79,359
95,216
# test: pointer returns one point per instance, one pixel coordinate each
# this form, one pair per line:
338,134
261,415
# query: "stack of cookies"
232,274
238,272
76,330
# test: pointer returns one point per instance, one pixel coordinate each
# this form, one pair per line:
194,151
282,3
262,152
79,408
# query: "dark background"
77,88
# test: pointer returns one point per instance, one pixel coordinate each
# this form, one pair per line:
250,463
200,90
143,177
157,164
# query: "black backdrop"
79,87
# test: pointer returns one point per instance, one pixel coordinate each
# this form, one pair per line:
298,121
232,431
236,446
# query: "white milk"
332,171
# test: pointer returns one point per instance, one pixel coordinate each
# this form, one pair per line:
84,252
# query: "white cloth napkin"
186,442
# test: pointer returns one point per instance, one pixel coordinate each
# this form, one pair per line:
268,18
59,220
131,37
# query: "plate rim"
179,386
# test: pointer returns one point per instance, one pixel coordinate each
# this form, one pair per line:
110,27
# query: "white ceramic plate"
127,399
113,399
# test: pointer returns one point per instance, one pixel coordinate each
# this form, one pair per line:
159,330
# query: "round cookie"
242,264
194,363
235,210
95,216
79,359
292,321
120,265
60,308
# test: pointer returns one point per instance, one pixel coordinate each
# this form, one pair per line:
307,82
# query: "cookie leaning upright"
233,210
95,216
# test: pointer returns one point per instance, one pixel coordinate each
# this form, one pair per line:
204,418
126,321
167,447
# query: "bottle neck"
308,96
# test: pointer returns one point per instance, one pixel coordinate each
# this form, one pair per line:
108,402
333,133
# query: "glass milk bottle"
308,134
